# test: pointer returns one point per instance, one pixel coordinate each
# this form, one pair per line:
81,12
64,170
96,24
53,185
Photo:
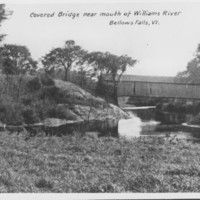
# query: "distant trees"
103,64
16,60
111,66
84,72
99,61
192,73
3,16
25,98
71,54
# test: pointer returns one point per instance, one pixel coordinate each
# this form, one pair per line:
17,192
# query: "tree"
16,60
117,66
3,16
111,65
99,61
192,73
71,54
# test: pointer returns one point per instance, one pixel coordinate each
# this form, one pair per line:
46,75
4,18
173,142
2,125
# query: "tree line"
192,72
16,60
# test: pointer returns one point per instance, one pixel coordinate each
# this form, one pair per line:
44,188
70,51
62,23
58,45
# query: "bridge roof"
165,79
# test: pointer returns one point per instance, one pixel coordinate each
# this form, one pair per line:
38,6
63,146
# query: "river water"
145,121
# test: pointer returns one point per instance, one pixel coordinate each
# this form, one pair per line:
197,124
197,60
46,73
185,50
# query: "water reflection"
172,118
104,128
128,128
142,122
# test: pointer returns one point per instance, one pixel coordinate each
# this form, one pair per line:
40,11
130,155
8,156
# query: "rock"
71,116
71,89
93,108
91,113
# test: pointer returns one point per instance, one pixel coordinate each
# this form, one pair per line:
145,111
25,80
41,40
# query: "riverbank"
57,102
85,164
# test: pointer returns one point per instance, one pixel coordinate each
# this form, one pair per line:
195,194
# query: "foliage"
194,120
71,54
41,107
3,16
47,80
11,113
51,93
30,115
109,66
192,73
84,72
38,101
34,84
16,60
99,61
60,113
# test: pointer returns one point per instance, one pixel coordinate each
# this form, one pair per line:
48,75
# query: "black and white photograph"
100,98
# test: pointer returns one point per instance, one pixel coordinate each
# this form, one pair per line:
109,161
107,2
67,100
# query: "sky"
161,50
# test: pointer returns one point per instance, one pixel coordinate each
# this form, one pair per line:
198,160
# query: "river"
144,121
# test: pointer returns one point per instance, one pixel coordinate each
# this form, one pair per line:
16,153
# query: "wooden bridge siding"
126,88
149,89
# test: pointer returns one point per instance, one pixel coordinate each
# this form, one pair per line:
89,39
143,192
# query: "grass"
81,164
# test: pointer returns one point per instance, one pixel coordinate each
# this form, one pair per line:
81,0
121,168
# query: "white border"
94,1
77,196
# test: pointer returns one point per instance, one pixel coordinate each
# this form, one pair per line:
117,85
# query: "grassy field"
83,164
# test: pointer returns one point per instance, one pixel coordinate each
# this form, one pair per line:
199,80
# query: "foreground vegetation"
75,163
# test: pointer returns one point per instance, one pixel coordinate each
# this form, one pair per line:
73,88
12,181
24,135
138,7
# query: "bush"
11,114
41,107
49,109
105,91
51,93
46,80
195,120
30,116
34,84
27,100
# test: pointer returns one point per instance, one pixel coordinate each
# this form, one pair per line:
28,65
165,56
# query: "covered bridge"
156,86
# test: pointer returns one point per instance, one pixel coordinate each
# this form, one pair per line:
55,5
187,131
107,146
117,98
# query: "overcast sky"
163,49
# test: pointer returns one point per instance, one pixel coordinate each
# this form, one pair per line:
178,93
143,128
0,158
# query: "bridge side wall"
168,90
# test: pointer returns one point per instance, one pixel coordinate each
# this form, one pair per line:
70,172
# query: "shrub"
27,100
195,120
30,116
11,114
41,107
104,91
34,84
46,80
49,109
51,93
